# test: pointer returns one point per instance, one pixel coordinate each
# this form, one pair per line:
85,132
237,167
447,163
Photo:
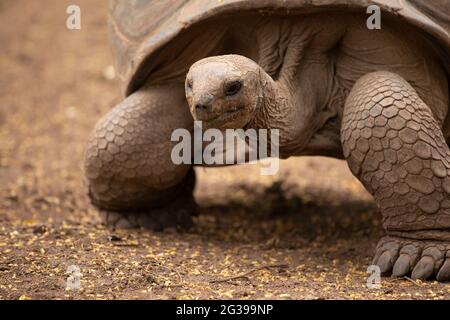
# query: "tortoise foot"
176,215
420,259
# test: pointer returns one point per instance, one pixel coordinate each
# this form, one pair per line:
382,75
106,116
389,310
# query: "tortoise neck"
273,106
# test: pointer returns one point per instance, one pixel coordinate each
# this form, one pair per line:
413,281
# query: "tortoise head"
224,91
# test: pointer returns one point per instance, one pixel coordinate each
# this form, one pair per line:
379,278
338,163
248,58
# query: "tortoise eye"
232,88
189,84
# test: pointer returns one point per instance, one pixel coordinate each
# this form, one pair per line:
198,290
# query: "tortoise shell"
140,29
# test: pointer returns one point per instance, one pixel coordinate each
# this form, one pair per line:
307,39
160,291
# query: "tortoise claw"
421,259
444,274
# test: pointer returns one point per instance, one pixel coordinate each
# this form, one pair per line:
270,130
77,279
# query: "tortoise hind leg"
394,145
128,164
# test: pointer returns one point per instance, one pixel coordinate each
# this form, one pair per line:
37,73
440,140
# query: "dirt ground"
307,233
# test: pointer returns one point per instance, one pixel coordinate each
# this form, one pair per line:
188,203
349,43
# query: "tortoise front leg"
128,165
394,145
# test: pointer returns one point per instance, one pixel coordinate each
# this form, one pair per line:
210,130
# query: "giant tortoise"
311,69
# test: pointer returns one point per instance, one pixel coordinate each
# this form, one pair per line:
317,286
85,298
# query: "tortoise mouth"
225,118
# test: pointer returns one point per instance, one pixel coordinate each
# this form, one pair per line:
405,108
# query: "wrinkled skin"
379,100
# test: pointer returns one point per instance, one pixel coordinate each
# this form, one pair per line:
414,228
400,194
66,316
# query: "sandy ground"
307,233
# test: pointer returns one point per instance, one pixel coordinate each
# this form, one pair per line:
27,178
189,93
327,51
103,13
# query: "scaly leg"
394,145
128,164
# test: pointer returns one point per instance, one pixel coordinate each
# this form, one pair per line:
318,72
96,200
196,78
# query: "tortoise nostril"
201,107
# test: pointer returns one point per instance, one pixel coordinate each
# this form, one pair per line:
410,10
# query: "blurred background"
307,232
